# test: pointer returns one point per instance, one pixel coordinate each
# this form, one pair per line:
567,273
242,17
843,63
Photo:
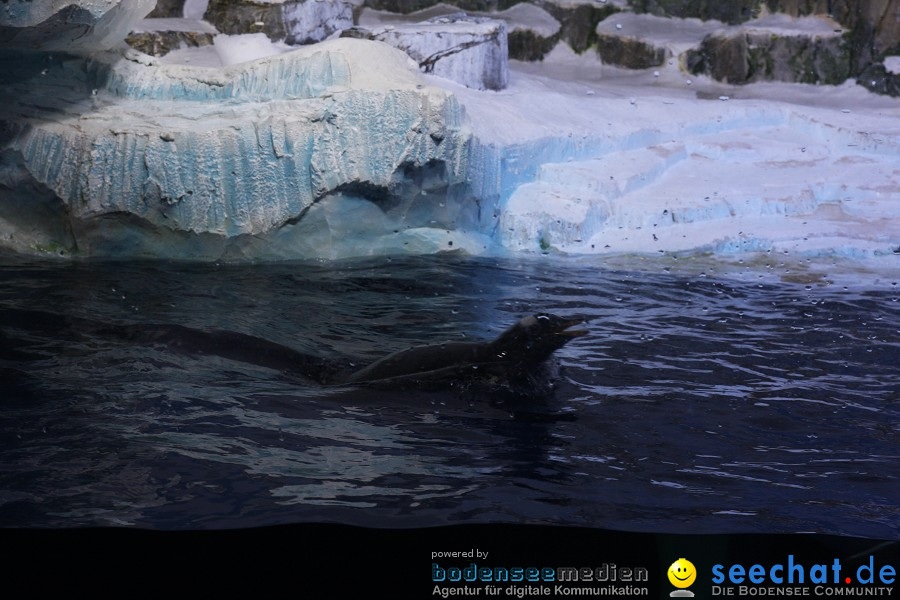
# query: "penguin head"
535,337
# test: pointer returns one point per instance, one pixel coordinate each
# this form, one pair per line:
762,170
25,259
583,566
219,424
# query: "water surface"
699,401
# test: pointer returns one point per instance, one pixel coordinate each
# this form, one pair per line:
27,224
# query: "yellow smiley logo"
682,573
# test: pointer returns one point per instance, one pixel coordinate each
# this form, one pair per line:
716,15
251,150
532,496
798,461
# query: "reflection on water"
700,402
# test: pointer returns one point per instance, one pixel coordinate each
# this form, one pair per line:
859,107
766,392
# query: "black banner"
484,561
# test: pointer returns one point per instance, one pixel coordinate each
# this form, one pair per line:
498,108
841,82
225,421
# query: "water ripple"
701,402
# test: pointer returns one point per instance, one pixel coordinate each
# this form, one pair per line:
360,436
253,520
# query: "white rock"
892,64
522,17
471,51
314,20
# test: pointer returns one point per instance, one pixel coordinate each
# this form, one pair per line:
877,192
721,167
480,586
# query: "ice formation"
717,192
669,172
248,148
239,151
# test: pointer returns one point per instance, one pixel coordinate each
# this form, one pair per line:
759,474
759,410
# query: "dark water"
697,403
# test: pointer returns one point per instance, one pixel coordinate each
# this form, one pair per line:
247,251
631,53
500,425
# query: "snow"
646,165
205,56
236,49
786,25
892,64
194,9
370,18
676,34
793,194
344,149
529,17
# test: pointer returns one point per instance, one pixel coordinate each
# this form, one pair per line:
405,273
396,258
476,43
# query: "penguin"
518,359
515,356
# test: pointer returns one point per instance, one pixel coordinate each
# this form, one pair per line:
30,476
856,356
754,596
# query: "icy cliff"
150,149
243,147
654,163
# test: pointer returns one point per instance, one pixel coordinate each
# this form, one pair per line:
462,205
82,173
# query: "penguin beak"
564,330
